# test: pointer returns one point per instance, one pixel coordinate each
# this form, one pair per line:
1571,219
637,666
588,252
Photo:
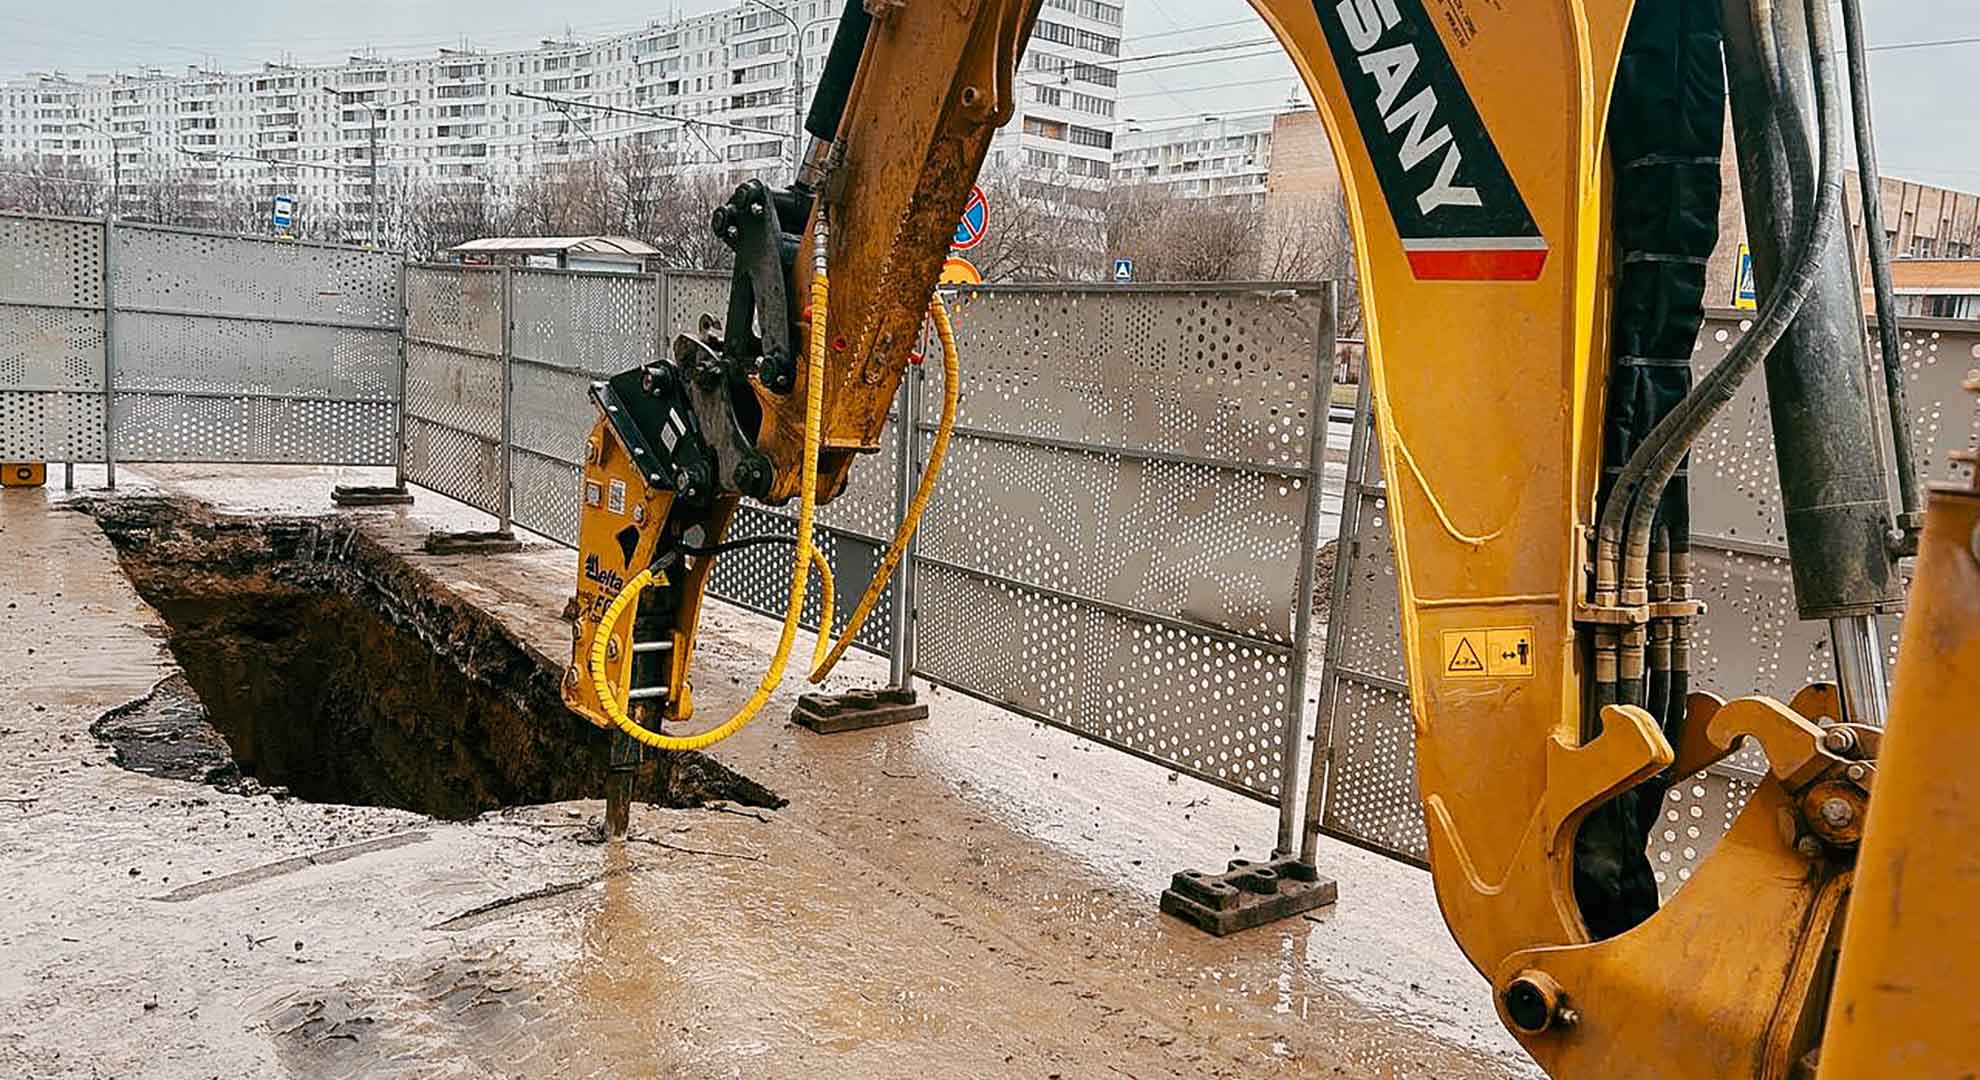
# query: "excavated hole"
319,662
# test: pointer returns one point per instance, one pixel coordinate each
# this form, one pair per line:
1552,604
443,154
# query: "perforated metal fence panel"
690,294
243,349
51,339
571,329
455,383
148,343
1750,640
566,329
1124,520
852,531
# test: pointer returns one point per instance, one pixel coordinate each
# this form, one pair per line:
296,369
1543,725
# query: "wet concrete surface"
973,895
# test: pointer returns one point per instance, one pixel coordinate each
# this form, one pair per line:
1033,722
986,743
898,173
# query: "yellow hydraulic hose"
814,427
825,587
945,330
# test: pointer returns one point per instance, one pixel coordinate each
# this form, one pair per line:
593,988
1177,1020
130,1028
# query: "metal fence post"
1309,539
109,353
900,673
399,420
660,342
508,499
666,291
1345,554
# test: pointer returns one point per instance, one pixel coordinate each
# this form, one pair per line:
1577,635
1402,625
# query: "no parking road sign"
975,223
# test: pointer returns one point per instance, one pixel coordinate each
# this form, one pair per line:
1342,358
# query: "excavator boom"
1474,143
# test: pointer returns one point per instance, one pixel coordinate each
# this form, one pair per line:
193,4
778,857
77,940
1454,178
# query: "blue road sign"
1746,294
975,221
284,216
1123,270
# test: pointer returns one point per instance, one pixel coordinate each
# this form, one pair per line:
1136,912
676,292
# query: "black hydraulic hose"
1623,530
1718,389
1879,247
828,101
737,545
1790,129
1790,189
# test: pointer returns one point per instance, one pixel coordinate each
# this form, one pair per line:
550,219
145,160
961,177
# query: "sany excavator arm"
1470,135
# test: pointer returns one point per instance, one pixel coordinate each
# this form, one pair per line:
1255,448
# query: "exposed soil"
1323,580
331,668
166,734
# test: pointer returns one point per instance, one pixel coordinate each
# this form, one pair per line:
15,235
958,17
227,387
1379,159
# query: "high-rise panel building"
451,123
1068,86
1223,158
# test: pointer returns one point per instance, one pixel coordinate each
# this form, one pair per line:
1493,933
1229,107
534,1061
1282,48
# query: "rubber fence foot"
355,495
1248,894
829,714
471,543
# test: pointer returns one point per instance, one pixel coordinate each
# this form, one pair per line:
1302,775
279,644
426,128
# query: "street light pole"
377,112
116,172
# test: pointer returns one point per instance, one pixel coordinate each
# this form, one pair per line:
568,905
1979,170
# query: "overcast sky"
1928,100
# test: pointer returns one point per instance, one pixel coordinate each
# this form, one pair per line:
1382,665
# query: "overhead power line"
277,163
1197,50
1232,114
47,178
563,104
1935,43
1252,21
1210,86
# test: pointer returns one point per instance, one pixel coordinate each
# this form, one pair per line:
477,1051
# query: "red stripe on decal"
1478,265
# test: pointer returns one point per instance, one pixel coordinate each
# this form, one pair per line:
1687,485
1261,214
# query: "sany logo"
1364,21
1459,213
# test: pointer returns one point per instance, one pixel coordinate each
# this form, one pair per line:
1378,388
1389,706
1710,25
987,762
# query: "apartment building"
1068,86
710,93
1211,158
1933,229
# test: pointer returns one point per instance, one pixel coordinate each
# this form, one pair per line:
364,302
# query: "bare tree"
1305,238
237,209
1172,238
1042,228
442,216
38,185
678,212
636,174
162,201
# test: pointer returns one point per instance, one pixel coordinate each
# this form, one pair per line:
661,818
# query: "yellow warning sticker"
1489,653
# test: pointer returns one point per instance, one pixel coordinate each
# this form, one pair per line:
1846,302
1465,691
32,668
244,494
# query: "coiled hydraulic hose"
814,410
951,380
826,585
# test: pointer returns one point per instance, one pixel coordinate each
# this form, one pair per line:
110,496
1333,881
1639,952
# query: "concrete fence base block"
1248,894
471,543
356,495
828,714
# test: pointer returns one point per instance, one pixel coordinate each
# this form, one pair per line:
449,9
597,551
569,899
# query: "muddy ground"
973,895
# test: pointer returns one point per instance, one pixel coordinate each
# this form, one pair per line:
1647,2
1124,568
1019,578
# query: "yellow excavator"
1533,186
